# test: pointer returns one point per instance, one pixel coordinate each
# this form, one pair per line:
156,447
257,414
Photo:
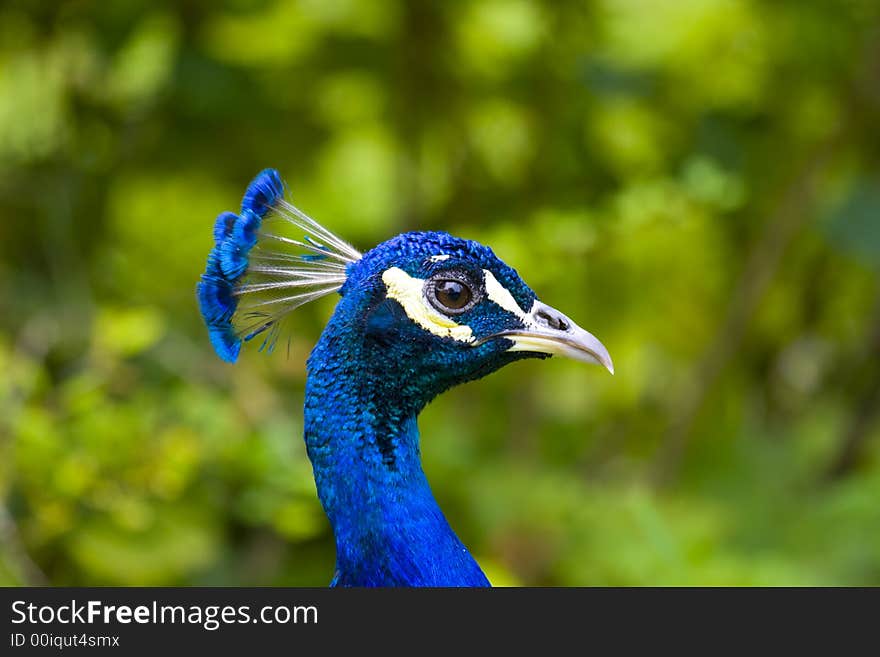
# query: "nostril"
553,321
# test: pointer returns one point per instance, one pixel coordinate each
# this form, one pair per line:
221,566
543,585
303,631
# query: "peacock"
417,314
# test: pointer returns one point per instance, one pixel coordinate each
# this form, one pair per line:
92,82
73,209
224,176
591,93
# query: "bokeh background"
696,182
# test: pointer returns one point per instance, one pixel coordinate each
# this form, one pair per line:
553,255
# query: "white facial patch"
502,296
409,293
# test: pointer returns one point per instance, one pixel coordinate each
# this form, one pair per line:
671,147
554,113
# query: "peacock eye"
450,296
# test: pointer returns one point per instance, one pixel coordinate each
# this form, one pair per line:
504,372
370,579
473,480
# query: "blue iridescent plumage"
418,314
262,193
234,236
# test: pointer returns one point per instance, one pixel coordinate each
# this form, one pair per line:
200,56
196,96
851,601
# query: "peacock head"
429,310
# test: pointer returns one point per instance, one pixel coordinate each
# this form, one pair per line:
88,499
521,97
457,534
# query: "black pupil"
452,294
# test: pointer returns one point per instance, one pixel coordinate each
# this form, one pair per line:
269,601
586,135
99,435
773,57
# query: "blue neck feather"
363,441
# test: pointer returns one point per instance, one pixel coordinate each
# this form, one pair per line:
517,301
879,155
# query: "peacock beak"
548,331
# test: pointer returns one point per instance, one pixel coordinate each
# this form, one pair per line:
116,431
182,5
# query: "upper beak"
548,331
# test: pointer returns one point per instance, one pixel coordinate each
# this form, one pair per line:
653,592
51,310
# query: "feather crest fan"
256,275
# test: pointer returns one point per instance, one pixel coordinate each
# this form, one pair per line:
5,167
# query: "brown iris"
453,295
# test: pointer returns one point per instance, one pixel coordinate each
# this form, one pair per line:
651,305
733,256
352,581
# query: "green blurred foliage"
696,182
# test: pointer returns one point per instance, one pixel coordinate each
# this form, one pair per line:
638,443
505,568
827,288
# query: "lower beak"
548,331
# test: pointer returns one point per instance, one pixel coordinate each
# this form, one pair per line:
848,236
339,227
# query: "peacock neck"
363,442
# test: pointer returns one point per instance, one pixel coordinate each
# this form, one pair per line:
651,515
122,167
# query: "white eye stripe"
409,293
502,296
440,258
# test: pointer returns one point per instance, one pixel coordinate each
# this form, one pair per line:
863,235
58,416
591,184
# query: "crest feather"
256,275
